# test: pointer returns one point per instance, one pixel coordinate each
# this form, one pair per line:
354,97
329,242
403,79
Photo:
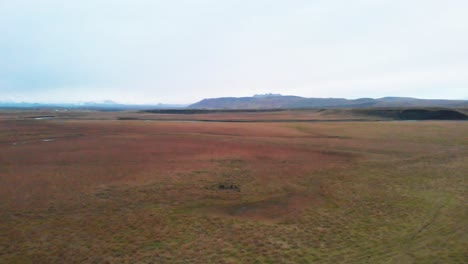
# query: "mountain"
269,101
258,101
106,105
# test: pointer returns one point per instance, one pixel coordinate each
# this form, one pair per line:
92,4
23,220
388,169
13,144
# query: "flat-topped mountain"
269,101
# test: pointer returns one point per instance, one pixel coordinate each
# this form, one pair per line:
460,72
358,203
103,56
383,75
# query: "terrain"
288,102
256,102
282,186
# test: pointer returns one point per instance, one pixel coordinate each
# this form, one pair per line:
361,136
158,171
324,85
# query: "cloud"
183,51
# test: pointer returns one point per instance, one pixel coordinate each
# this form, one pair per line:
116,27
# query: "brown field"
284,115
86,188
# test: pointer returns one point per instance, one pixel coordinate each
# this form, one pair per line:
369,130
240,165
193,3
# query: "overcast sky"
151,51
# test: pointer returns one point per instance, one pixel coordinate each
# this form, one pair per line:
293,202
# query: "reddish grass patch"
79,156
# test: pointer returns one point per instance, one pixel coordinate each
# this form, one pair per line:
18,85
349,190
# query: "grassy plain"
111,191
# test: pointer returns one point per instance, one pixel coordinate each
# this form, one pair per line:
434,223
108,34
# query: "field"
86,187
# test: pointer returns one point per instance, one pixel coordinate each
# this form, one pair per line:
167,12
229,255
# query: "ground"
77,190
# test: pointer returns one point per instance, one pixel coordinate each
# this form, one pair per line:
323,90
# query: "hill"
290,102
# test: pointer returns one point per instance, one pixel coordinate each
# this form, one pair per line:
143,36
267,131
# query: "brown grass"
147,192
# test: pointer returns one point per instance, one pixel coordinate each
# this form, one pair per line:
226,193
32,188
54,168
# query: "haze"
149,51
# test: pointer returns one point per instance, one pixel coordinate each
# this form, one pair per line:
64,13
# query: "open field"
236,115
215,115
84,187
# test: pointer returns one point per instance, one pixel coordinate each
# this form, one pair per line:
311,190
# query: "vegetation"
149,192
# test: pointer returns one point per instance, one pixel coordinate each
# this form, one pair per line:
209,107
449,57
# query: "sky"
181,51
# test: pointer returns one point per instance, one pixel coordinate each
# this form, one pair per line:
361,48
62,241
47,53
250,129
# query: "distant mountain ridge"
290,102
104,105
258,101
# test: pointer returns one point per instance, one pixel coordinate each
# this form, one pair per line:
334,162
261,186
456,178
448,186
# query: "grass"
139,192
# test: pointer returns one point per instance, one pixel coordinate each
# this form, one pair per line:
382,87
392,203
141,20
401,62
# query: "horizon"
110,102
180,52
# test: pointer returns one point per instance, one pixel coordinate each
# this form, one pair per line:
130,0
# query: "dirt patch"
228,187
